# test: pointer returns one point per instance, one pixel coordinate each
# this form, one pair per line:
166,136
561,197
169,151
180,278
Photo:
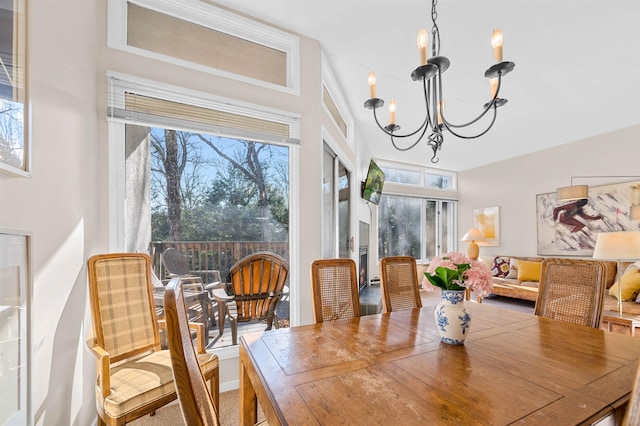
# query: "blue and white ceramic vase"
452,319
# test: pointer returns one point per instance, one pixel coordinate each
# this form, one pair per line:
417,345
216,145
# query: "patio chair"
134,375
176,263
335,289
572,291
399,283
257,281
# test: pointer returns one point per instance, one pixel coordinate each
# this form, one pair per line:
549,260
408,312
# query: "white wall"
65,203
59,203
513,185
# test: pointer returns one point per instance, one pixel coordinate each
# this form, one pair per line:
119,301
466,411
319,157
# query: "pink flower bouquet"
455,271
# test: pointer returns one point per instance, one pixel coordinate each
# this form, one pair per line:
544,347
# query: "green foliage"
230,205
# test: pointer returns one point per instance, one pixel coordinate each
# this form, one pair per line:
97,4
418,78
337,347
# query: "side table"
629,324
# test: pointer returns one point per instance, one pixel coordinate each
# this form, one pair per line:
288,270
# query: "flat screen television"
372,186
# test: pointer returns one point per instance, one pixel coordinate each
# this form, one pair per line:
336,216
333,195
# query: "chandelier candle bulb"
422,46
496,43
392,112
372,84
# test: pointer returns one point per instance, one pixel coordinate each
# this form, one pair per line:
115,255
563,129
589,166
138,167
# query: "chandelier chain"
435,40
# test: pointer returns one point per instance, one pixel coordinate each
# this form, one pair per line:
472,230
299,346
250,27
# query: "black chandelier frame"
431,76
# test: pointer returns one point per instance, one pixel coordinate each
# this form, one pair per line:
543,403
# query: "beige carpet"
171,415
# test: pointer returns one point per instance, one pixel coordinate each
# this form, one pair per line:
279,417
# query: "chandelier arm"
375,117
495,114
482,114
422,127
424,130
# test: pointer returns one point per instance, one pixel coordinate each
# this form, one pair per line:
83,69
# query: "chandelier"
430,73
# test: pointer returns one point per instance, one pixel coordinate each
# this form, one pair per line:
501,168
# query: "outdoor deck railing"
207,256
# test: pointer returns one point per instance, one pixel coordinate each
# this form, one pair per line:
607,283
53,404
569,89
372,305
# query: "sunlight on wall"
59,287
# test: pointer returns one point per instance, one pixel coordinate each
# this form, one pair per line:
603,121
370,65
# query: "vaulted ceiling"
577,70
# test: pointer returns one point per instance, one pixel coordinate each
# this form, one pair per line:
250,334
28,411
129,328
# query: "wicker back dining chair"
335,289
133,373
196,402
399,283
632,415
257,282
572,291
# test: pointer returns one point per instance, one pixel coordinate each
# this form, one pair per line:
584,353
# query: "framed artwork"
14,113
15,338
570,227
487,220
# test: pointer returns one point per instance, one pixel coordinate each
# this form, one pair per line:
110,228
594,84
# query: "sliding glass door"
337,238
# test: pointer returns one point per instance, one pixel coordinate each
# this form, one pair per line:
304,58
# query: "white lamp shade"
617,245
473,234
634,212
574,192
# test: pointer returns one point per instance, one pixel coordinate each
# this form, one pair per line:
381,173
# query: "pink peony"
463,273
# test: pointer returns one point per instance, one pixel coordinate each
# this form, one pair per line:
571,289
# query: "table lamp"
472,236
621,245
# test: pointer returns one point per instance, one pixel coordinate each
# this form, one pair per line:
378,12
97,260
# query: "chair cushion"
149,378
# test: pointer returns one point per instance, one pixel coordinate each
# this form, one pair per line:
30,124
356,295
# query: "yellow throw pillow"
630,285
529,271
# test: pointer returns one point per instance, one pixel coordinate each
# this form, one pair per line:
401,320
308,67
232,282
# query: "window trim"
421,170
119,83
330,83
215,18
116,165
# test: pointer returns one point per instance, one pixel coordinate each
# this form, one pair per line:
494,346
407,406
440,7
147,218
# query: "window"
419,176
418,227
417,211
216,198
211,199
201,36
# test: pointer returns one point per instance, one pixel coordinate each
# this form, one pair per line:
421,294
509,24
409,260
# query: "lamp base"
473,251
619,289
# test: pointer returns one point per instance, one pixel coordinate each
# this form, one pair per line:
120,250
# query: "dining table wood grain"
392,368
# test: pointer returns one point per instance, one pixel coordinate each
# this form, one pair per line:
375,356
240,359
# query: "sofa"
511,280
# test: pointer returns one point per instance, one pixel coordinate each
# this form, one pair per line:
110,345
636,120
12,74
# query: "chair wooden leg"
234,330
214,384
222,310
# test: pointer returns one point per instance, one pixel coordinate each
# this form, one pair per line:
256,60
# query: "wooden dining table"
392,368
